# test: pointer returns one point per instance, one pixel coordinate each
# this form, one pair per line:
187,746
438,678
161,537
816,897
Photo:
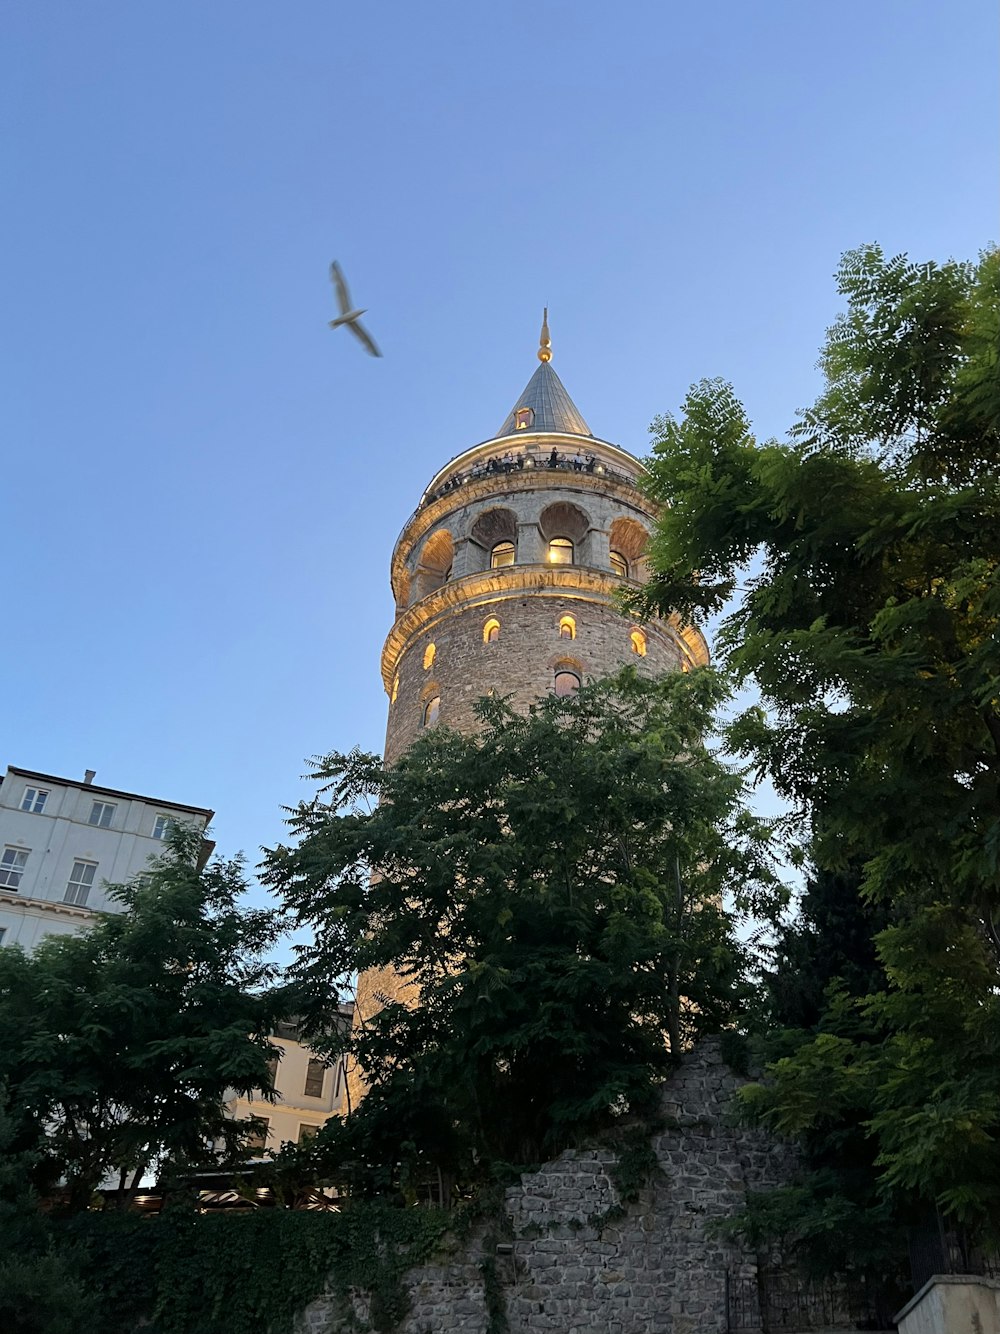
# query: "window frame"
561,544
430,653
498,557
34,799
258,1142
491,630
308,1130
74,886
569,672
10,866
614,556
100,822
432,701
309,1085
567,627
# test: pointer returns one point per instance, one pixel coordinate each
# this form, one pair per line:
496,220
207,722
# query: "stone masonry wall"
656,1270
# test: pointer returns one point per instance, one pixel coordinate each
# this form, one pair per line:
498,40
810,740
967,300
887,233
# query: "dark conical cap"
551,406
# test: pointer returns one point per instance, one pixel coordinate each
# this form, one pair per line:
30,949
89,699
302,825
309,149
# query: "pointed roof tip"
551,408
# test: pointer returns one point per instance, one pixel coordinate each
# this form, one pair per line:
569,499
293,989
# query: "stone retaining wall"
575,1269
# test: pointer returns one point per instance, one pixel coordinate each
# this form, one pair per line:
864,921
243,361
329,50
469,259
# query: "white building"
308,1091
61,839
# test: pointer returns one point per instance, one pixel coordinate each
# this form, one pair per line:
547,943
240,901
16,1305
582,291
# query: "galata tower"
505,578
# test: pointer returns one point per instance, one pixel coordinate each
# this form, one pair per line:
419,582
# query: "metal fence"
769,1302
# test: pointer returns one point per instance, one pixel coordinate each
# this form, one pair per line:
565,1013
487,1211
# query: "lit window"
12,864
429,653
34,800
101,814
638,641
160,826
502,554
619,564
491,631
431,710
80,883
257,1138
567,627
314,1079
567,683
307,1131
524,419
395,689
561,551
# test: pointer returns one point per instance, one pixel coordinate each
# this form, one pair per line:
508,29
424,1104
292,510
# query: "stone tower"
505,578
505,575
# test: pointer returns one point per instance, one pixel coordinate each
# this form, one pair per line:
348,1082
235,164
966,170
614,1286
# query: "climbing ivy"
254,1272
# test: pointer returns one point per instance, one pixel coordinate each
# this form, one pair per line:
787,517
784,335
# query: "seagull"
349,316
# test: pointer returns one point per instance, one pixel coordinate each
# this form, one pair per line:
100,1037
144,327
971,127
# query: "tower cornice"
490,587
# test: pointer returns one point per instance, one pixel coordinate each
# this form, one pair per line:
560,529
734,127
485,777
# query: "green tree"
863,558
119,1047
551,890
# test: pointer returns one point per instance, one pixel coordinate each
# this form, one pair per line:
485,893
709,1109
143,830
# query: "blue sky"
202,485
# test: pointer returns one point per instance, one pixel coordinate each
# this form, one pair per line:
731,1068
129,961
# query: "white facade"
61,840
308,1092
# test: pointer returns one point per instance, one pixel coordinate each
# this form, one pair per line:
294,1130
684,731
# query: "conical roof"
551,405
545,394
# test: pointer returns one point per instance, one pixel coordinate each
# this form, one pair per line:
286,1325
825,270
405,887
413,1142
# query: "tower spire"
544,341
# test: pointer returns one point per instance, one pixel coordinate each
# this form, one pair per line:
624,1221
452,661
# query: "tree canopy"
856,569
551,892
120,1047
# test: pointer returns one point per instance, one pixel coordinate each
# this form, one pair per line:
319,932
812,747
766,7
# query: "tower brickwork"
505,579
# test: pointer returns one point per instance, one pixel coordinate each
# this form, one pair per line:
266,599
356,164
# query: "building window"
638,642
491,631
3,933
34,800
12,864
307,1131
257,1138
561,551
431,710
502,554
272,1069
160,826
314,1079
567,683
524,419
395,689
429,654
101,814
80,882
619,564
567,627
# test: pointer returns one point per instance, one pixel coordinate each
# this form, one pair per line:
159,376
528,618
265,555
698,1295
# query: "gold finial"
545,342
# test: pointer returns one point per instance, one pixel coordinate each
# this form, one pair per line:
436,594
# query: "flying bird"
348,315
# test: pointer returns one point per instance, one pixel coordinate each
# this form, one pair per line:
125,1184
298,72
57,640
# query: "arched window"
619,564
429,653
638,641
567,682
431,710
561,551
502,554
524,419
491,631
395,688
567,627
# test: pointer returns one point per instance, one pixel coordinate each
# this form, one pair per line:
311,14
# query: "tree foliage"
863,558
120,1047
550,891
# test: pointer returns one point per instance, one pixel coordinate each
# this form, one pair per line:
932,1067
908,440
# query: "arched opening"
564,528
567,682
491,631
560,551
493,539
567,627
638,642
628,541
395,689
430,652
435,564
430,712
